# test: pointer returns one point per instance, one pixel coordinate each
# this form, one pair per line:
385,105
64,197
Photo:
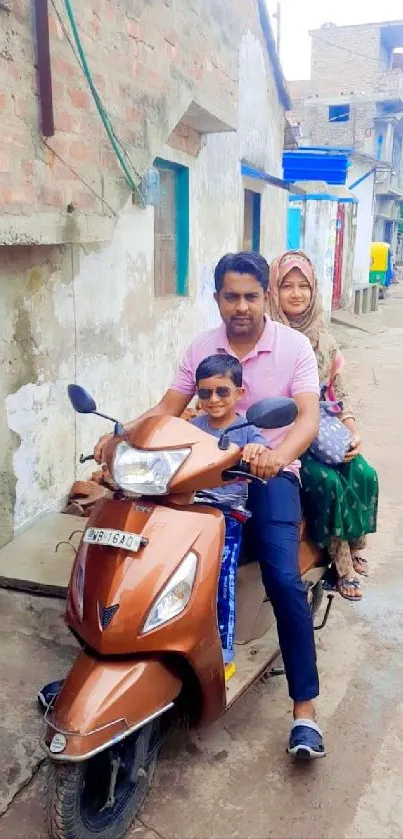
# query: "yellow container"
379,256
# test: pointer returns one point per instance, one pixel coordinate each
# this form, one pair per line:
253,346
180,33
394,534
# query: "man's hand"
264,463
100,446
172,403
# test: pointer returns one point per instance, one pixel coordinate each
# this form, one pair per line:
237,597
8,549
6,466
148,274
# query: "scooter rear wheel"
102,796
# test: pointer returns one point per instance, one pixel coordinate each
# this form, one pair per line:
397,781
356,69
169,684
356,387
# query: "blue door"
294,229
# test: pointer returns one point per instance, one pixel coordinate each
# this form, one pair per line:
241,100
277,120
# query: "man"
276,361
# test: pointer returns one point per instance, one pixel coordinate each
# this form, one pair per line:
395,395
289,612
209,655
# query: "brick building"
354,98
96,284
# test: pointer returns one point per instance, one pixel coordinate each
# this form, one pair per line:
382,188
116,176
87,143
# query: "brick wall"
316,127
185,139
347,58
148,60
348,65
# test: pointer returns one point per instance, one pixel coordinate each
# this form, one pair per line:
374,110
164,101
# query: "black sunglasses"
207,392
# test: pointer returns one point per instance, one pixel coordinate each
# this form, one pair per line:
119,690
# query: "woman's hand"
100,446
354,450
263,462
355,447
349,422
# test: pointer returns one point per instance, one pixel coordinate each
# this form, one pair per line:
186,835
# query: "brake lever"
83,459
228,474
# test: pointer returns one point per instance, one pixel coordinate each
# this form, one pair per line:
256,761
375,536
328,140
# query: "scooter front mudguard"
103,701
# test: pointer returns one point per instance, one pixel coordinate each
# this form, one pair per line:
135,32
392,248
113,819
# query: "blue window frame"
339,113
294,218
171,230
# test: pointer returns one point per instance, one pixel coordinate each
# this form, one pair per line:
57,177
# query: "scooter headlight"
175,596
144,472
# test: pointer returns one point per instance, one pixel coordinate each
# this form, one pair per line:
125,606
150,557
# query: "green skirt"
339,501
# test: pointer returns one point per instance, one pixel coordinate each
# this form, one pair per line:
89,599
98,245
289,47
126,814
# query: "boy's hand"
251,451
263,462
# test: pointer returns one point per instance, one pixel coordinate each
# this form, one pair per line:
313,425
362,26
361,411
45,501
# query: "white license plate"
114,538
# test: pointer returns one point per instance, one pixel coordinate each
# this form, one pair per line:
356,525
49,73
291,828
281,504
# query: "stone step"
40,559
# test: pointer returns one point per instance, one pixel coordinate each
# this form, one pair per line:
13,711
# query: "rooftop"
394,27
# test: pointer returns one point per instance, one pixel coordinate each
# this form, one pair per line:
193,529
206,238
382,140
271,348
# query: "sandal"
344,585
361,565
306,741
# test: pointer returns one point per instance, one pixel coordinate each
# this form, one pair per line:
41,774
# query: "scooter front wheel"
102,796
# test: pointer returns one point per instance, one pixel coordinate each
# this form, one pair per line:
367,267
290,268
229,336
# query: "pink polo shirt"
282,363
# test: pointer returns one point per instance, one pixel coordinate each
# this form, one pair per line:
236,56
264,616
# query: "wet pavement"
235,780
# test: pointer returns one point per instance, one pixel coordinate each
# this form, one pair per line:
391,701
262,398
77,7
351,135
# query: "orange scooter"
142,604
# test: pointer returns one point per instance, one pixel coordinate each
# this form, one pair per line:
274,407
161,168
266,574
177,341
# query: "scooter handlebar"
241,470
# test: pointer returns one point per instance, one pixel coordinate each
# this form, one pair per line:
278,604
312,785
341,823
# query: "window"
388,234
171,230
251,221
379,147
397,156
339,113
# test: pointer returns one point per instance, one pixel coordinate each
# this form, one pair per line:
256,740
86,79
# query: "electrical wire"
81,58
118,147
345,49
77,57
65,30
76,175
101,110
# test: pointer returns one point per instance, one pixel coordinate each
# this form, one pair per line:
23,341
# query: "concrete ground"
235,779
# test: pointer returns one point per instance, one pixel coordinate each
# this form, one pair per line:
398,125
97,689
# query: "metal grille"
106,614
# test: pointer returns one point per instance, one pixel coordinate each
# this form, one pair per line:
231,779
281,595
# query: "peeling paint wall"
318,239
36,362
89,314
349,244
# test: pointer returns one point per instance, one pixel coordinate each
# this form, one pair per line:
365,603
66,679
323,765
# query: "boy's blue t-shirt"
234,495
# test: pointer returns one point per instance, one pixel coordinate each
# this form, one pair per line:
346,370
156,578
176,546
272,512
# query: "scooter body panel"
101,702
125,585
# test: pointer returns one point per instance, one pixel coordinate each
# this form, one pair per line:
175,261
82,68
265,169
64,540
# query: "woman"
340,502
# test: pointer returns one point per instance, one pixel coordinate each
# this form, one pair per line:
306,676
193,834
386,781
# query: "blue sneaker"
306,741
47,695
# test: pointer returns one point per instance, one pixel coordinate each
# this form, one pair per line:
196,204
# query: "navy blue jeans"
274,538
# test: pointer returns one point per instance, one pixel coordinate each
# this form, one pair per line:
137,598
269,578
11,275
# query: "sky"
299,16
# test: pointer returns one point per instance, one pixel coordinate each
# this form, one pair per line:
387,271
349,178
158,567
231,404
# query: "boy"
219,388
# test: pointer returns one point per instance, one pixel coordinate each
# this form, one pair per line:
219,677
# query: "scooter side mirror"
276,412
81,400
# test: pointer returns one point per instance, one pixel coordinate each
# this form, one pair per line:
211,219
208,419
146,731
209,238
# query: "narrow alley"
236,780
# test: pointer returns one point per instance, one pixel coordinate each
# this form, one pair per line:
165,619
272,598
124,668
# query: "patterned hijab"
311,322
